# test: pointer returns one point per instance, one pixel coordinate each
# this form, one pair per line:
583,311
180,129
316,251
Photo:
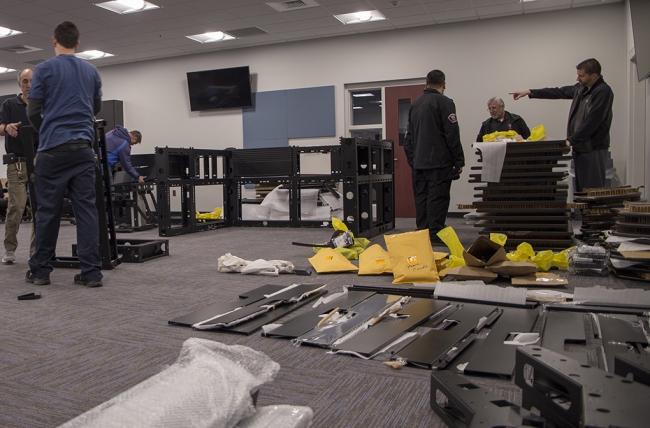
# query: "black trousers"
431,189
590,169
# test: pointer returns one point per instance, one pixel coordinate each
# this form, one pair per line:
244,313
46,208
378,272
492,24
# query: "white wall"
481,59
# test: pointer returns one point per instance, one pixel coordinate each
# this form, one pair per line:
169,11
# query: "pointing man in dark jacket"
502,120
434,151
118,146
590,119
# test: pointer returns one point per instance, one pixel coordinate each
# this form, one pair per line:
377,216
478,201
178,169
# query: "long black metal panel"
429,347
326,335
253,308
461,404
372,340
305,322
269,161
570,394
256,323
490,356
618,333
563,328
222,307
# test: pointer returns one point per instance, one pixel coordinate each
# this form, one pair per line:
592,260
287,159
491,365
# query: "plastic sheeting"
279,416
209,385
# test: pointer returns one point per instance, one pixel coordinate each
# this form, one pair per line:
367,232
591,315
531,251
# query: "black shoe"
29,277
79,281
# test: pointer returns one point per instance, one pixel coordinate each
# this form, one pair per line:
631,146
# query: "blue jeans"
55,172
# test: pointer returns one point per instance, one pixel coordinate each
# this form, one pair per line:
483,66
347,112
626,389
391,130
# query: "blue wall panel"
266,120
310,112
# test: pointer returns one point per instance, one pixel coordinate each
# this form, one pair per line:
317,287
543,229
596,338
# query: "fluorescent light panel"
6,32
4,70
360,17
91,55
127,6
216,36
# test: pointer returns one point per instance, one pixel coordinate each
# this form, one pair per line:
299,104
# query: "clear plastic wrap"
588,260
209,385
284,416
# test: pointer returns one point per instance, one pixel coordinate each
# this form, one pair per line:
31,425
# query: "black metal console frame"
364,166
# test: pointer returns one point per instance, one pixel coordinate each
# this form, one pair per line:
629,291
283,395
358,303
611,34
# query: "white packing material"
493,154
209,385
230,263
260,267
284,416
477,290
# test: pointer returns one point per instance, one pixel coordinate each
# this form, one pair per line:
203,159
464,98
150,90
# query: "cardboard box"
467,273
484,252
509,268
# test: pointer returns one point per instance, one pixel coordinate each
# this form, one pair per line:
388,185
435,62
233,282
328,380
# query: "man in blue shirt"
118,147
64,98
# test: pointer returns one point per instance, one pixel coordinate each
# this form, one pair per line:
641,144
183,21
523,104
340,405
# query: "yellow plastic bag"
543,260
523,253
411,257
487,138
449,237
214,215
537,133
374,261
561,259
499,238
329,260
455,261
351,253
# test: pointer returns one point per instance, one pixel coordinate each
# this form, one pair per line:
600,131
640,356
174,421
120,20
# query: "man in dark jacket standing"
502,120
434,152
590,119
118,147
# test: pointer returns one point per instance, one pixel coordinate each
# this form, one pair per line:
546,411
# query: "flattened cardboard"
484,252
540,279
467,273
509,268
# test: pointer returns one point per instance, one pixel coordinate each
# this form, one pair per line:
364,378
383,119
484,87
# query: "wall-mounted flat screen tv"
217,89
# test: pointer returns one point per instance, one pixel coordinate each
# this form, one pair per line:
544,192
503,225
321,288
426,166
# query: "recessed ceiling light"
357,108
91,55
360,17
6,32
363,94
525,1
217,36
127,6
6,70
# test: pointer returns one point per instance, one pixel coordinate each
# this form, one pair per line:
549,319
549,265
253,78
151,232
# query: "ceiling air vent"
285,6
20,49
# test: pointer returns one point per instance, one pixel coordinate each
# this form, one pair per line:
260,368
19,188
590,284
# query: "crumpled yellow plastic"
338,224
499,238
487,138
543,260
353,251
537,133
214,215
455,261
449,237
561,259
523,253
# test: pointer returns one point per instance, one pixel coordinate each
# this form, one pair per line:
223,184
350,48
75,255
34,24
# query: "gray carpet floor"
77,347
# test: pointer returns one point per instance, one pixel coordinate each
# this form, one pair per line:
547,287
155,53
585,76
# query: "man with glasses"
502,120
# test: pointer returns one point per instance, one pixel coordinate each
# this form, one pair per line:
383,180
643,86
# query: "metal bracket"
571,394
461,404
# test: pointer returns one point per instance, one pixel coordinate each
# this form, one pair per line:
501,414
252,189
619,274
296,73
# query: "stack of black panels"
529,203
601,210
633,221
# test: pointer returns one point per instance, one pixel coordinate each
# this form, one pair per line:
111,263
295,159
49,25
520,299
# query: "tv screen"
217,89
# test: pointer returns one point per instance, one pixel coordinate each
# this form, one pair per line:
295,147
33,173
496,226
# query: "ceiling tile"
399,12
410,21
546,4
212,17
454,15
281,28
26,10
501,10
358,6
448,6
59,5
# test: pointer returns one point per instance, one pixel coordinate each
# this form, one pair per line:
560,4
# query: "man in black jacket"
502,120
590,119
434,152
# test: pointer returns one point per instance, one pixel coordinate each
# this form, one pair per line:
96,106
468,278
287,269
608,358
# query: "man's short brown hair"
589,66
137,135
